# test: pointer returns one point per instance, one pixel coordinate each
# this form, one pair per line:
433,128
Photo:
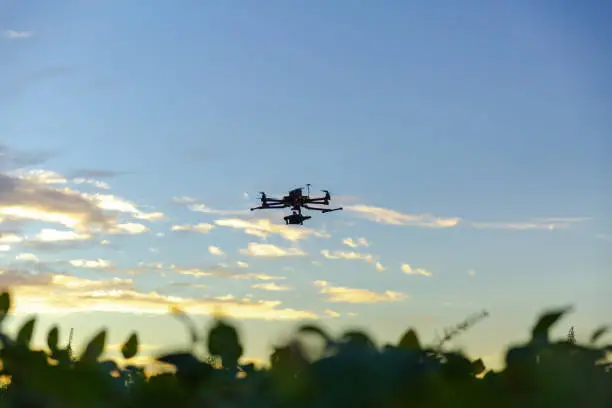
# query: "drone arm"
316,208
325,210
270,207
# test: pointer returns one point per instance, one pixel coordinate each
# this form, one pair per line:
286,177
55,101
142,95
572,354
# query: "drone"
296,200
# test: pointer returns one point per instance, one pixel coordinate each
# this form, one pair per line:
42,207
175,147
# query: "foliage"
351,372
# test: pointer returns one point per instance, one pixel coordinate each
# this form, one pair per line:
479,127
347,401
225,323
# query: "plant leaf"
410,340
182,316
5,304
598,333
130,347
546,321
24,336
53,338
95,348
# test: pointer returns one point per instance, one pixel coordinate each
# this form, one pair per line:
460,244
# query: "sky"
468,143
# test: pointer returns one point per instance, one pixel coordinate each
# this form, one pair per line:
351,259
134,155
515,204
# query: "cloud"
273,287
471,273
15,35
110,202
46,293
202,228
270,251
222,273
215,250
90,264
263,228
380,267
24,199
354,244
96,174
331,313
387,216
340,294
194,205
241,264
27,257
409,270
347,255
533,224
96,183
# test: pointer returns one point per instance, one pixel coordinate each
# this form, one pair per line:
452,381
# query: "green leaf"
5,304
95,348
598,333
130,347
24,336
53,338
546,321
410,340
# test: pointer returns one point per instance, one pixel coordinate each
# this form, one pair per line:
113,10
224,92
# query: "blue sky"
472,137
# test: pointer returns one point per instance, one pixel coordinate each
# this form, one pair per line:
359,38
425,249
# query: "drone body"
296,200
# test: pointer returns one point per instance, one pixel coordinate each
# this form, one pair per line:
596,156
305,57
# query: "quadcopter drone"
296,200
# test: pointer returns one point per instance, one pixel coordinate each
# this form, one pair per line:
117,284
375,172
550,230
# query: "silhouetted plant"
351,372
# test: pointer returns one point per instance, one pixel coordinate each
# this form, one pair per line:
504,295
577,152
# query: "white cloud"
340,294
331,313
409,270
221,273
354,244
24,199
269,250
103,185
347,255
263,228
111,202
10,238
90,264
5,248
194,205
271,287
380,267
242,264
27,257
215,250
44,294
471,273
533,224
15,35
392,217
202,228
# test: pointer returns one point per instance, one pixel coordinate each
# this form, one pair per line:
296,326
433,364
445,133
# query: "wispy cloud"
202,228
409,270
380,267
90,264
195,205
273,287
220,273
46,293
270,251
340,294
471,273
533,224
392,217
263,228
215,251
347,255
16,35
354,244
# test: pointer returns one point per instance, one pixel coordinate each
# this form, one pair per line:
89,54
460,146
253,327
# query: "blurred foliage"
352,371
